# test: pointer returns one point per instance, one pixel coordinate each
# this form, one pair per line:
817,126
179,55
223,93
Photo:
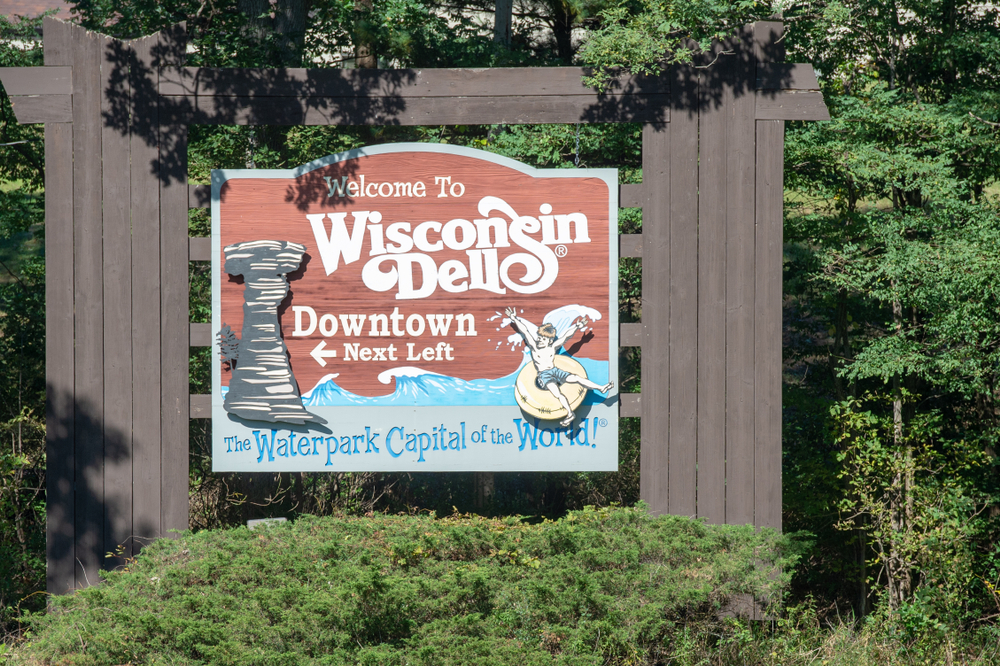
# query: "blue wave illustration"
421,388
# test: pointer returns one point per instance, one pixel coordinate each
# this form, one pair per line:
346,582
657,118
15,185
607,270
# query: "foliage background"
891,310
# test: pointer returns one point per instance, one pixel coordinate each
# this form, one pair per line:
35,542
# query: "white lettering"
298,310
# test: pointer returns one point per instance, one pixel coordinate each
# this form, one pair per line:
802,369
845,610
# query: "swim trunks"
556,375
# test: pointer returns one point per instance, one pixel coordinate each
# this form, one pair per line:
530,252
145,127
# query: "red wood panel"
276,209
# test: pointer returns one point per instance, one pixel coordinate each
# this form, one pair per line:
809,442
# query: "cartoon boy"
543,355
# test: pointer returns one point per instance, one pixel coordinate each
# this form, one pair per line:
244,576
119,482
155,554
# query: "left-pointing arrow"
320,355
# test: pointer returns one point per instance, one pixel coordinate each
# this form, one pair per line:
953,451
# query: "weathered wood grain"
630,246
682,442
47,80
740,258
630,335
60,409
117,273
396,83
768,302
716,97
630,404
655,365
201,335
786,76
88,280
200,249
174,330
791,106
43,109
199,196
501,109
145,260
630,196
200,406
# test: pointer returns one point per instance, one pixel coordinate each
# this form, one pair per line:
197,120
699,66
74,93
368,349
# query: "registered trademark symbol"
604,423
561,251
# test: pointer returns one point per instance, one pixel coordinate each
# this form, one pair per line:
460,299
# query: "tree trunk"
364,54
484,489
290,26
562,29
258,24
503,22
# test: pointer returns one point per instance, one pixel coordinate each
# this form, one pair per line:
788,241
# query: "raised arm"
571,331
520,327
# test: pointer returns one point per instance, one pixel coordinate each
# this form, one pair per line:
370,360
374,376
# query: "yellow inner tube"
540,402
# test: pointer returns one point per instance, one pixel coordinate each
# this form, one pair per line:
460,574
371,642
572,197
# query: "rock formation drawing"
262,387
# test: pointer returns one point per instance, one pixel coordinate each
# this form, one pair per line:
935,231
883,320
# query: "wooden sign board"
415,307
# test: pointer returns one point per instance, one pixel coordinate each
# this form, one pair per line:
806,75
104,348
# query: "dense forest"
891,384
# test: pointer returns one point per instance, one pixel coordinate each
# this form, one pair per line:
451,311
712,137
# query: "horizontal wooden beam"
396,83
201,335
199,196
199,249
630,335
510,110
201,406
43,108
630,245
786,76
629,404
37,80
630,195
791,106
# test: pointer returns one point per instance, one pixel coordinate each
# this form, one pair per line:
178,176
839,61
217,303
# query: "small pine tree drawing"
228,346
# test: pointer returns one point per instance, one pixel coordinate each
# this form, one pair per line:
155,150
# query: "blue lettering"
329,450
523,434
263,443
371,440
388,442
552,437
421,438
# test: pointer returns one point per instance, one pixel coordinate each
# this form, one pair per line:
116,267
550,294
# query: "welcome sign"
413,307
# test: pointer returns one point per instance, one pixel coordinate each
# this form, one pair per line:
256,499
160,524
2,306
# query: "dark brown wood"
43,109
201,406
174,330
396,83
682,442
630,404
791,106
206,110
767,324
630,335
145,328
786,76
199,196
630,245
117,273
715,95
201,335
60,534
630,196
740,261
37,80
88,281
653,463
200,249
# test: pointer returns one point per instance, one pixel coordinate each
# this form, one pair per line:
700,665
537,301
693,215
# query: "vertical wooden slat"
174,316
115,109
715,96
59,325
653,463
767,325
145,202
89,305
683,243
740,286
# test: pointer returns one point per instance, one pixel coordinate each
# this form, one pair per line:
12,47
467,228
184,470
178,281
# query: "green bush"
607,586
